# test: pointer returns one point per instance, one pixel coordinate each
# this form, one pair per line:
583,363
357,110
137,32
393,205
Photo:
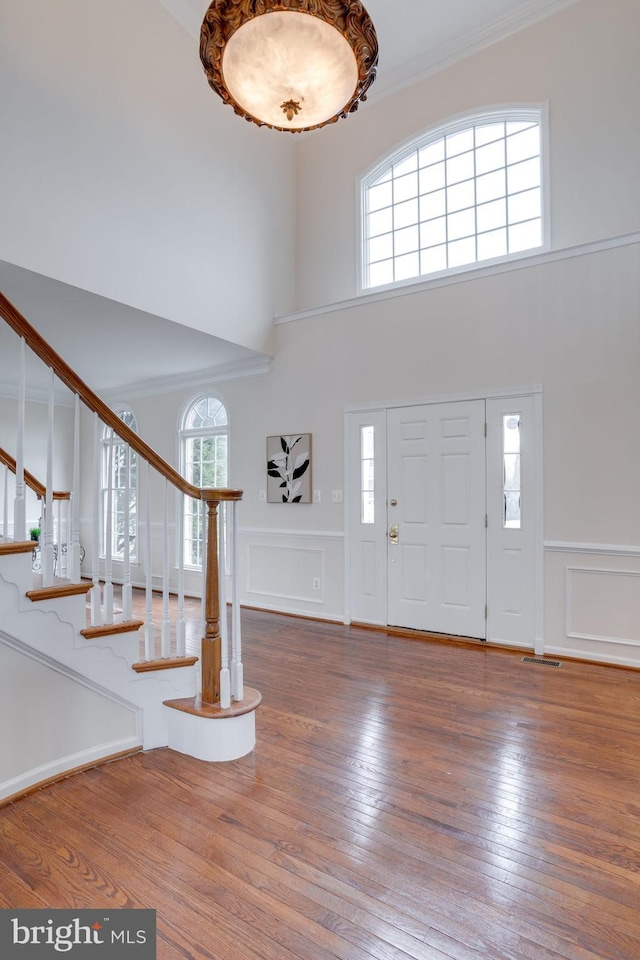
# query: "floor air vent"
542,661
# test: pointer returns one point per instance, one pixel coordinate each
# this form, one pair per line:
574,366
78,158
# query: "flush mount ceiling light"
289,64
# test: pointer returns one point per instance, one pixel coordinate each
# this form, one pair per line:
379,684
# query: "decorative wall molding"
464,274
594,549
258,572
298,534
609,606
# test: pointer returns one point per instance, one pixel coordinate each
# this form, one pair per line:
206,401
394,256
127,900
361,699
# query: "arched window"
119,477
204,451
467,192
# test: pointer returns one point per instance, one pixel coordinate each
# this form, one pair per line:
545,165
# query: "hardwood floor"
406,799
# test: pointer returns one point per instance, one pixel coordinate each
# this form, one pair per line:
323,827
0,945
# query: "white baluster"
5,505
237,671
225,676
96,606
181,644
107,591
149,639
19,503
48,555
74,506
127,593
165,633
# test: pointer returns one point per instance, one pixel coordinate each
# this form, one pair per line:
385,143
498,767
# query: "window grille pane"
407,165
461,224
434,259
383,178
405,214
367,474
407,267
433,232
461,196
490,157
492,215
523,176
380,273
459,142
431,153
524,236
433,205
462,251
380,197
460,168
488,133
406,241
491,186
432,178
405,188
523,145
512,516
493,244
380,248
381,222
524,206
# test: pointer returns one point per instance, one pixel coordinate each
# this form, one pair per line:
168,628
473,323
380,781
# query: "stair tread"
165,663
109,629
59,590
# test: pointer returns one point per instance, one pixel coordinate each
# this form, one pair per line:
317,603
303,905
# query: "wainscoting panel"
293,571
592,601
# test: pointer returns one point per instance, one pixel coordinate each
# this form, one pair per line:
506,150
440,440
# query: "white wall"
583,61
123,174
46,739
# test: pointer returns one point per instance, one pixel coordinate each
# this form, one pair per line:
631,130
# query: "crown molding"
234,370
473,41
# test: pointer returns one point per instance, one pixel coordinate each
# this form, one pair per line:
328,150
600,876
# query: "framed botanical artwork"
289,468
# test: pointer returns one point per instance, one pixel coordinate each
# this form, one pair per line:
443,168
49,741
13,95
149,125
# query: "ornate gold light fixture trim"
289,64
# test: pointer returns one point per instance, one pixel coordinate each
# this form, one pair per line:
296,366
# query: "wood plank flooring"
407,800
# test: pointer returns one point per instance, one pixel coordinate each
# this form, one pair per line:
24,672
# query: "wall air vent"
542,661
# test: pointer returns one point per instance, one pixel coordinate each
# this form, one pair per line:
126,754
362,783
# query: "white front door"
436,507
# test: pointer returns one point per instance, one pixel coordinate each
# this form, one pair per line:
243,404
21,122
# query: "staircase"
66,627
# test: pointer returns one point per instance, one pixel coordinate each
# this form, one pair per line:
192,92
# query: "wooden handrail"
38,488
63,371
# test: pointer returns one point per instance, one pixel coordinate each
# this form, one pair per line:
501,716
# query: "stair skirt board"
64,767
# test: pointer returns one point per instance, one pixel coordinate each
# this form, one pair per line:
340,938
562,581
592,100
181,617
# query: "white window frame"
514,113
185,434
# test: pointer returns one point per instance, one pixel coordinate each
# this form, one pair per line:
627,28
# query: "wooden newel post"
211,643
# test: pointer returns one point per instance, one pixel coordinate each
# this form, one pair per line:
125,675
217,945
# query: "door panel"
436,474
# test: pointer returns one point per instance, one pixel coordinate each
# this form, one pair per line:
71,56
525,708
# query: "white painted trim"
64,764
306,534
568,610
197,380
320,599
505,393
293,611
595,549
471,272
71,674
555,650
420,68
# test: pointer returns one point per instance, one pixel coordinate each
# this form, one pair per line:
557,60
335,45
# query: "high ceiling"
418,37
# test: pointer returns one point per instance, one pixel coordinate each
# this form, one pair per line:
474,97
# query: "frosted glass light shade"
290,58
281,65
